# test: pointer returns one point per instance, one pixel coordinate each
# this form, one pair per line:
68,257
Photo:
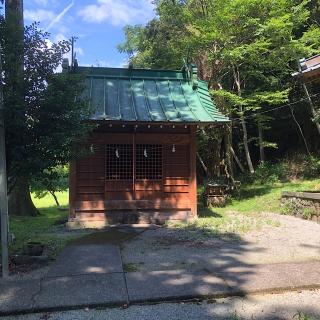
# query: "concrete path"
87,259
282,306
119,288
91,274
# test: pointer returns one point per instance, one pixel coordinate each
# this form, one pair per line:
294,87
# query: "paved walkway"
282,306
92,275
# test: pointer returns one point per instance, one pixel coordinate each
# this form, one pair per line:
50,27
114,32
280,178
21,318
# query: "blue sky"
98,24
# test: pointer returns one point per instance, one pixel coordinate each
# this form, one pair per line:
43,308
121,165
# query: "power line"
275,108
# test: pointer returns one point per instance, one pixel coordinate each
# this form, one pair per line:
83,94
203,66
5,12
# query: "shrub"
290,169
267,173
302,166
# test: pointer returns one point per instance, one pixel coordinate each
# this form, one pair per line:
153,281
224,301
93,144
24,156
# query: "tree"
43,128
50,181
245,49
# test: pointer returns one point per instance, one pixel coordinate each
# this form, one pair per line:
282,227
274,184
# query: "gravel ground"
277,306
293,240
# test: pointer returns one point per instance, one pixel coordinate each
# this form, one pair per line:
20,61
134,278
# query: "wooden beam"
72,189
193,174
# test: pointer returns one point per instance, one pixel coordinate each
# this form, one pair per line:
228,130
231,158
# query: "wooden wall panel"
90,197
119,195
118,185
90,189
164,138
90,176
168,181
91,182
176,171
148,185
95,195
176,189
148,195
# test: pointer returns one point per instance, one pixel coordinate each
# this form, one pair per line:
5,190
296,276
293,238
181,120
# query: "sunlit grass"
48,201
243,212
257,198
40,228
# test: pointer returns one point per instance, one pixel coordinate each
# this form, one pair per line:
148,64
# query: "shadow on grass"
204,212
36,228
247,192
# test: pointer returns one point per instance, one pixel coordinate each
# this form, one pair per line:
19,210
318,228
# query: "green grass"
47,201
42,227
243,212
258,198
240,215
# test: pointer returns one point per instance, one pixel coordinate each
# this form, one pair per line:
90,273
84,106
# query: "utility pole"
3,187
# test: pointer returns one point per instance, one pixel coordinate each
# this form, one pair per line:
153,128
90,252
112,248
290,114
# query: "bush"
312,168
290,169
267,173
296,206
302,166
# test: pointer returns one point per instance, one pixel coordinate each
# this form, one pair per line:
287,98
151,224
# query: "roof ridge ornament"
191,71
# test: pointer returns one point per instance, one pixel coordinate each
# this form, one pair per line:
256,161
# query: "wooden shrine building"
309,69
142,164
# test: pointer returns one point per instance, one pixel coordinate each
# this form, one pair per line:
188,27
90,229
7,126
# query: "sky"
98,24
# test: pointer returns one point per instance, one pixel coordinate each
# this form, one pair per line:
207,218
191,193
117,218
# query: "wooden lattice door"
119,159
133,171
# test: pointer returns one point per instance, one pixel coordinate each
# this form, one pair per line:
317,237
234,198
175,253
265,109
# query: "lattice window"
119,159
148,161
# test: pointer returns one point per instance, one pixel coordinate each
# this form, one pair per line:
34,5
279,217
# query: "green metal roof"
139,95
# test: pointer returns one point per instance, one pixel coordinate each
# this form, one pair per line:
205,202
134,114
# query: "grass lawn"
243,211
257,198
240,215
42,227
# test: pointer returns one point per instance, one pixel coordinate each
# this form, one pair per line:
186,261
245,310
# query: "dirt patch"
288,240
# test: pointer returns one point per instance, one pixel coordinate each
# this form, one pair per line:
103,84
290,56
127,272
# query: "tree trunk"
261,146
237,160
236,76
55,198
227,147
203,165
15,34
20,202
312,108
300,130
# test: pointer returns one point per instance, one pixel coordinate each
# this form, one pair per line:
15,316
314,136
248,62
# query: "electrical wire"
273,109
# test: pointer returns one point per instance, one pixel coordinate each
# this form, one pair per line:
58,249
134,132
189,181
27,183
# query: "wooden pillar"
193,173
72,189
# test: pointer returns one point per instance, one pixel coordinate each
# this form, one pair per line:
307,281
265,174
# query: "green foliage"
234,316
307,213
312,167
42,127
246,50
301,207
267,173
302,166
291,168
256,197
50,181
302,316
